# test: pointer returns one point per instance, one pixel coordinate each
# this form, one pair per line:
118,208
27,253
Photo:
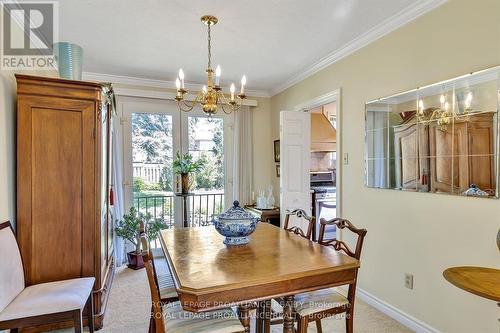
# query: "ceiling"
270,41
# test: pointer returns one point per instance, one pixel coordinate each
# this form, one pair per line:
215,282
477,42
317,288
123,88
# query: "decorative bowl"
236,224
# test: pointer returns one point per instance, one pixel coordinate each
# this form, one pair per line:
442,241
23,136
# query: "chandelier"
444,114
211,96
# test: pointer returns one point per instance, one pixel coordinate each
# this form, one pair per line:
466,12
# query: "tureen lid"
236,213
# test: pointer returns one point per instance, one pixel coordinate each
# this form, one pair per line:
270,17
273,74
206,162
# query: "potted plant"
131,227
185,165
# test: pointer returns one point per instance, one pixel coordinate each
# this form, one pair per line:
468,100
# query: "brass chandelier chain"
209,47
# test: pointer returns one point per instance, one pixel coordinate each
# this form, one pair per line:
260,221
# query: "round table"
481,281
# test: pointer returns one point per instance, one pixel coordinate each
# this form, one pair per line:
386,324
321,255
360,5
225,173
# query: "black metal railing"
159,206
201,207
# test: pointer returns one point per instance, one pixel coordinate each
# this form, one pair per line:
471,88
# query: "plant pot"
185,183
135,261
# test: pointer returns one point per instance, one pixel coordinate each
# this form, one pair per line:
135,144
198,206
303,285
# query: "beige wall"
417,233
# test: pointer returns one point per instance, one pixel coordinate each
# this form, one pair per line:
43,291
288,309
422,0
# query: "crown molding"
318,101
152,83
405,16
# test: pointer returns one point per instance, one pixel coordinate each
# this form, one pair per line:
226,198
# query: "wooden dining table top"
209,274
481,281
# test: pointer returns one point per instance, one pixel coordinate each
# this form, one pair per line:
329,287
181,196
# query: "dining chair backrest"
339,245
11,266
301,215
153,286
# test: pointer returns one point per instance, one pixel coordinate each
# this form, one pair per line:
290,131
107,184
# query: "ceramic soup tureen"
236,224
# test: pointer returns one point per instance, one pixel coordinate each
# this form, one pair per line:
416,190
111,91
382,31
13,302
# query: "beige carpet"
129,308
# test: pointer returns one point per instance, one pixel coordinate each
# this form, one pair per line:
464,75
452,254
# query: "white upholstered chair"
38,304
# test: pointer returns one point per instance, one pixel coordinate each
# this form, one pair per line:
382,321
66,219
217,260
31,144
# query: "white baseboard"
396,314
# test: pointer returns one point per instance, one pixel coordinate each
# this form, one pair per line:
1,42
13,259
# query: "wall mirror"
442,138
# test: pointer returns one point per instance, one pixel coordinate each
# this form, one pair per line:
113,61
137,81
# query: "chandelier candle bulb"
177,84
204,89
442,99
181,77
232,89
218,72
243,82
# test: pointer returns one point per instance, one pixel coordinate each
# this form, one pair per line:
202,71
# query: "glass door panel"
206,143
152,154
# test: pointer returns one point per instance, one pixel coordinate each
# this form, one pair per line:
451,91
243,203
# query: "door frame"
334,96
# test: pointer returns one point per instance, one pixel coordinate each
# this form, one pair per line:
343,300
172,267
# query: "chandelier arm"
188,107
224,109
183,106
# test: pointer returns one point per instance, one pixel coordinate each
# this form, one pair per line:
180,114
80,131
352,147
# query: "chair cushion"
11,268
314,301
166,286
51,297
220,321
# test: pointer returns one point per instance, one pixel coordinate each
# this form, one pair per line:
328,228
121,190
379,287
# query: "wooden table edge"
447,275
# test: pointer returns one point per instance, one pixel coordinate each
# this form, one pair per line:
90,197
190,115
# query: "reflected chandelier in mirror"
442,138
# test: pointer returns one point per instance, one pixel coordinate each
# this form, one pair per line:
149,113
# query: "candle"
243,82
232,91
218,72
181,76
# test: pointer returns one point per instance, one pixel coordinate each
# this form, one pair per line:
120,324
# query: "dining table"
275,263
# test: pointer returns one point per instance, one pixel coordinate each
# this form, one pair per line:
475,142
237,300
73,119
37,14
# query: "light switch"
346,158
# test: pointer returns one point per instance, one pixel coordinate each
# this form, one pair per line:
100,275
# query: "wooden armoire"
446,159
64,229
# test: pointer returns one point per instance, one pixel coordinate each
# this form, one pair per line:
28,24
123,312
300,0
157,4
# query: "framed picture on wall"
277,170
277,151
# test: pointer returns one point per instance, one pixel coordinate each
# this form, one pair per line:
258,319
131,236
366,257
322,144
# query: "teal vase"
69,58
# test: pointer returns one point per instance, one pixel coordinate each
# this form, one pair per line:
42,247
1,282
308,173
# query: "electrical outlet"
346,158
409,281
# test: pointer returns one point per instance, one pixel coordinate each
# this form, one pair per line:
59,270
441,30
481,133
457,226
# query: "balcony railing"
201,207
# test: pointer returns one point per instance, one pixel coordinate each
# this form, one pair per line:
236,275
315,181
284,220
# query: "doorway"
296,136
154,131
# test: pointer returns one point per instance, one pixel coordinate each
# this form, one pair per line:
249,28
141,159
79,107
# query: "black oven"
324,201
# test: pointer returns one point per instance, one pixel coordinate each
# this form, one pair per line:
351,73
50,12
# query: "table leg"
288,314
263,320
244,314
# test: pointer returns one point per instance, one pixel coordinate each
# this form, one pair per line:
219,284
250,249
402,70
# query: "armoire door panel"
57,163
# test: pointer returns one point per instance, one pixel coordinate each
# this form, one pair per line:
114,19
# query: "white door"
295,146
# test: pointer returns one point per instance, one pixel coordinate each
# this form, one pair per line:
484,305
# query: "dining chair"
272,315
171,318
38,304
300,215
316,305
164,282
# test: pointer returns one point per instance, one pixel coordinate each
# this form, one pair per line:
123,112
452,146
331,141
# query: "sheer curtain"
119,203
243,156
